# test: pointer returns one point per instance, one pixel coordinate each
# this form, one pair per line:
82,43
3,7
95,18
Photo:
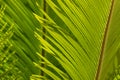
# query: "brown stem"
44,32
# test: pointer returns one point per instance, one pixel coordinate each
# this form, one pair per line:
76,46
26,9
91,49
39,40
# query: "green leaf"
91,52
78,39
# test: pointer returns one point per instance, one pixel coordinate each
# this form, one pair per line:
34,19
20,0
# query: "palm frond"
80,54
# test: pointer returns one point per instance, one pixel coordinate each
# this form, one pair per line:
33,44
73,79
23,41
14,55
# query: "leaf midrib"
104,41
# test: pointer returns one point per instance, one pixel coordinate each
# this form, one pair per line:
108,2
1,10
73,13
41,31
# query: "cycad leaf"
90,53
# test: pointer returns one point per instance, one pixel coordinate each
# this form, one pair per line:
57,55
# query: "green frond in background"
61,39
8,71
26,51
